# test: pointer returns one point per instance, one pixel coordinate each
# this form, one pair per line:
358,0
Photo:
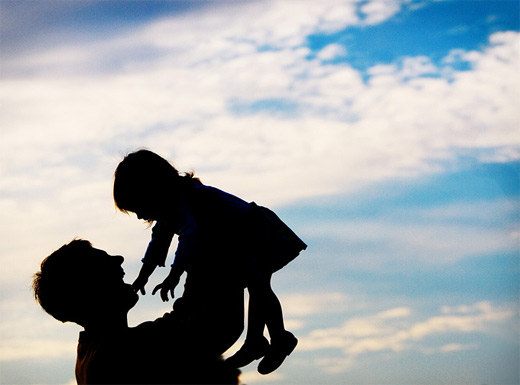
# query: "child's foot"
280,348
250,351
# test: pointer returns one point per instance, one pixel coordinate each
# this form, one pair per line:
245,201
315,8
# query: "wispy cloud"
417,236
251,377
300,305
17,349
397,329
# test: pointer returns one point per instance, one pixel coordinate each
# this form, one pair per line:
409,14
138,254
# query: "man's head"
82,284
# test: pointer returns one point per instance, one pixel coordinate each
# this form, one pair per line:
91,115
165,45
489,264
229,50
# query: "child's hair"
144,176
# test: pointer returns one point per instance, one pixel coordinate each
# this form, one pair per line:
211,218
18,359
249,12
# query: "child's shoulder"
212,199
216,194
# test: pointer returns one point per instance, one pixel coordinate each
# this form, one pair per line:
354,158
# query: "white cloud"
27,332
427,236
455,348
376,11
298,305
335,364
179,101
252,377
397,312
332,51
12,350
400,331
417,66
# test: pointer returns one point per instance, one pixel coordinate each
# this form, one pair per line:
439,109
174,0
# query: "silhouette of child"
213,227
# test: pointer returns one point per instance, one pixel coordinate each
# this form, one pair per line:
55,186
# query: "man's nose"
119,259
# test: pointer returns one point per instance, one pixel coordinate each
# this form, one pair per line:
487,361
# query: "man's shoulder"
174,323
137,354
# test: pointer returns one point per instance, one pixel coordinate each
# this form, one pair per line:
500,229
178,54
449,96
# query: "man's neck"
106,325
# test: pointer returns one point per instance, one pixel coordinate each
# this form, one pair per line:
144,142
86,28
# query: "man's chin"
132,296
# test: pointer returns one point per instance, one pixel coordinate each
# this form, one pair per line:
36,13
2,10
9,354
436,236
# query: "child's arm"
142,279
188,237
169,284
162,235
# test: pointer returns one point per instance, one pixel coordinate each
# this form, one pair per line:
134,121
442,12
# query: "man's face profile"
105,273
82,284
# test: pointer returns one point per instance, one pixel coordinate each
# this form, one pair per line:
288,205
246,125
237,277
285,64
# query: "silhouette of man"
81,284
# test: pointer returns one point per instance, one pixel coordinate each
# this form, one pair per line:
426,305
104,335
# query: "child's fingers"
156,288
138,286
164,290
164,294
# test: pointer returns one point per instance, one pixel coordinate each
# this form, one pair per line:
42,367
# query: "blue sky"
444,25
385,132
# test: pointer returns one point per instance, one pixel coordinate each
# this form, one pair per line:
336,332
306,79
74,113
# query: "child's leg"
282,341
255,316
266,302
255,345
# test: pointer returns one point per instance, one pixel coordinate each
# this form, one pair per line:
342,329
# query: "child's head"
144,183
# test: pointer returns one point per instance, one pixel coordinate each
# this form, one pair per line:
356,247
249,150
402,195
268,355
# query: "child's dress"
209,222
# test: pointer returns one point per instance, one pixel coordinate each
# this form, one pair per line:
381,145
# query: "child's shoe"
280,348
250,351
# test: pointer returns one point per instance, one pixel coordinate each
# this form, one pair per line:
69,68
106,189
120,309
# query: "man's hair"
60,283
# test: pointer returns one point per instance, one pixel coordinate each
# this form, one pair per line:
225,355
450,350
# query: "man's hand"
169,284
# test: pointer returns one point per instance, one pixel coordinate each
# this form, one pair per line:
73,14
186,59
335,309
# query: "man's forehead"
95,256
99,262
99,252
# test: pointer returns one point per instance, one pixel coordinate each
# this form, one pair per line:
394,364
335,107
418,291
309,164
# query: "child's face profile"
144,215
147,212
153,208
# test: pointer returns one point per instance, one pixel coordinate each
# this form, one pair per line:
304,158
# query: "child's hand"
142,279
139,284
168,285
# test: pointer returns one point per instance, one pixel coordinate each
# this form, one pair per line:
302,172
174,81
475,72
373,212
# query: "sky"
384,132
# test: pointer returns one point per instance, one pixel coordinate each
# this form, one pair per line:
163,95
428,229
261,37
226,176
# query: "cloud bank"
251,107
